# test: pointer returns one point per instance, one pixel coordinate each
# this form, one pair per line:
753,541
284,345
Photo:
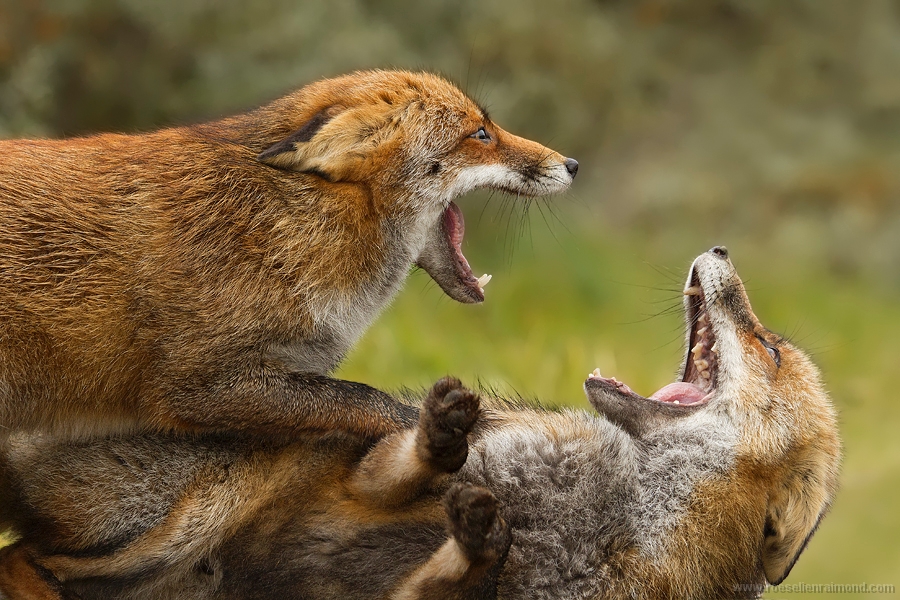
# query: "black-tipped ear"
284,154
780,556
792,518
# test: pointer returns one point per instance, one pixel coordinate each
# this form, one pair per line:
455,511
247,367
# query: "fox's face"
740,377
416,142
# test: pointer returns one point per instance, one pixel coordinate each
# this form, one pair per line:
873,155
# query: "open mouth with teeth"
443,259
700,371
455,228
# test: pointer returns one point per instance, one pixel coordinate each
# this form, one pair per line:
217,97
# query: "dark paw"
475,522
447,416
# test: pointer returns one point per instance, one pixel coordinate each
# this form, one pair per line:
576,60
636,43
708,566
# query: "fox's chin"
442,258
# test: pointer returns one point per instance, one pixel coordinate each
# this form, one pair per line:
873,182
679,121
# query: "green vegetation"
770,126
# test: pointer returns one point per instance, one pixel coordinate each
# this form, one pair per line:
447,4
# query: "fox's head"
417,142
764,393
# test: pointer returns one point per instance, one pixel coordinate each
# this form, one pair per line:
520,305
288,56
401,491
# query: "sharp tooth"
675,402
702,330
595,373
701,318
702,365
694,290
715,348
698,349
483,280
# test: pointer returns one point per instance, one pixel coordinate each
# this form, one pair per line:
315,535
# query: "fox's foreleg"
267,400
401,467
466,567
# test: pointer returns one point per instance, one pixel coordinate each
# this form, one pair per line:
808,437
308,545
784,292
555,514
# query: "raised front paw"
476,524
448,414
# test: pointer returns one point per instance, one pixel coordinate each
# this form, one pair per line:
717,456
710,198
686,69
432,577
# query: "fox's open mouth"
443,259
455,227
700,371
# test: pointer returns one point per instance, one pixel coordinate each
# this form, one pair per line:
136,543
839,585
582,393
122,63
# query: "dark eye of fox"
774,354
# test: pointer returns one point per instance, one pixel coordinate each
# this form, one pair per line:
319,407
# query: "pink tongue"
685,393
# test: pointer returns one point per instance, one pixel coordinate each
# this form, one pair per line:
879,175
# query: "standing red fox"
143,275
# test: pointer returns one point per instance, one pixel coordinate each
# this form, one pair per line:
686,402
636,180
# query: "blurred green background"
772,127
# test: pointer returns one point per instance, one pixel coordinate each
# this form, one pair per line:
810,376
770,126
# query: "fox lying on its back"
210,276
708,489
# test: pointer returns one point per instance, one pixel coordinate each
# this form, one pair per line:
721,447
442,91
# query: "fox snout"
528,168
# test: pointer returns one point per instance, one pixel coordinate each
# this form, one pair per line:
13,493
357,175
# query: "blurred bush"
774,119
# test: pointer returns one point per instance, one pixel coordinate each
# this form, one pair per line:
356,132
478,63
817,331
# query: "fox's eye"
774,354
482,135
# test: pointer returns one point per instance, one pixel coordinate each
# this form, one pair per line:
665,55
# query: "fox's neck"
578,488
346,286
671,464
695,517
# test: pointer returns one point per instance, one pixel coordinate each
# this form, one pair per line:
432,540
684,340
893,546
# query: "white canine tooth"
715,348
595,373
483,280
694,290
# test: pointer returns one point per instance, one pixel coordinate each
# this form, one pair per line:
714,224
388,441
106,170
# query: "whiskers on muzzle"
542,179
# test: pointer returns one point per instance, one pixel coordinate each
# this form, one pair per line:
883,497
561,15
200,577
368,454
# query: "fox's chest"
340,317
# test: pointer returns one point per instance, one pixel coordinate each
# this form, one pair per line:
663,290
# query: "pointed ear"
792,517
298,151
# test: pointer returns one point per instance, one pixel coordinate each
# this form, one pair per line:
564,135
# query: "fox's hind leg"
404,465
467,565
21,578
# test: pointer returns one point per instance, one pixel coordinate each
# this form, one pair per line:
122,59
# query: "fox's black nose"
571,166
720,251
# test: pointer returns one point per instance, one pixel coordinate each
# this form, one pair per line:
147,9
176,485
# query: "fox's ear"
283,154
332,143
303,151
792,517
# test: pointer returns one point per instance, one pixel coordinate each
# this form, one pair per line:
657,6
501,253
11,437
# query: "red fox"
210,277
709,488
